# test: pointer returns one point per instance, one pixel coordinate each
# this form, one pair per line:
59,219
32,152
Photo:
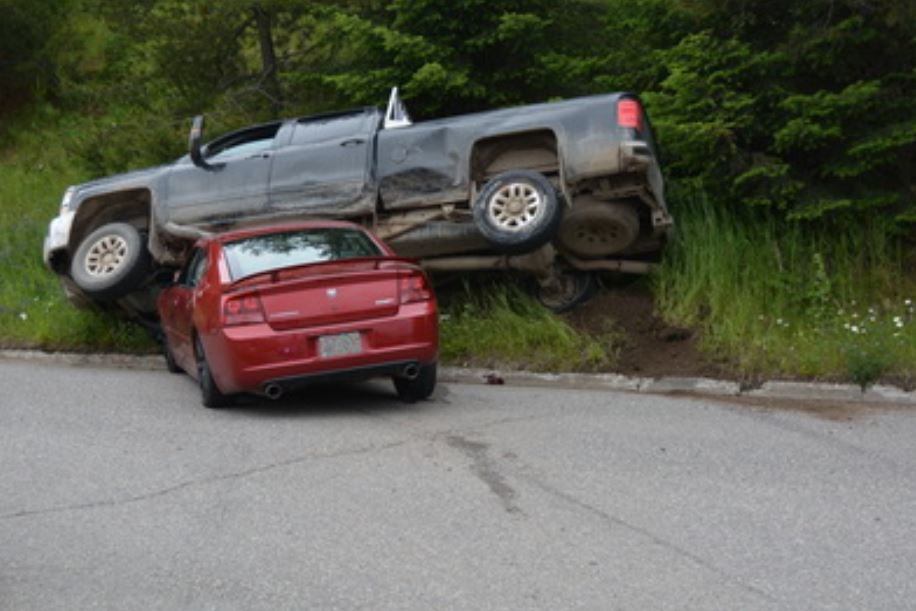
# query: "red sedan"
272,309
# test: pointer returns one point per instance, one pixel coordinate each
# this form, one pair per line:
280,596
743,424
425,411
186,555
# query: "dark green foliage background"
806,108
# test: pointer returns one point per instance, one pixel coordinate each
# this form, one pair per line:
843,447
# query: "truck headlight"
65,203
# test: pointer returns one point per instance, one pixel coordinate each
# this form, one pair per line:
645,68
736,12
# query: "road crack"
656,539
89,505
202,481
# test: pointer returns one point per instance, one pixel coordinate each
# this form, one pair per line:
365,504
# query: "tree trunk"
269,81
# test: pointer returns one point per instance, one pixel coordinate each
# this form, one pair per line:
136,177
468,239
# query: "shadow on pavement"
342,399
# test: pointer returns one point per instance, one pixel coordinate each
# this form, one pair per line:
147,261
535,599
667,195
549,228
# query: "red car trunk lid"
328,298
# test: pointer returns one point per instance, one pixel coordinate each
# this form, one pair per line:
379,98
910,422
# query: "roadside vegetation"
792,299
33,312
498,324
787,131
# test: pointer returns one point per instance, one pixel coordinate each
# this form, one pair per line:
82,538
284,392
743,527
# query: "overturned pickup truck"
558,190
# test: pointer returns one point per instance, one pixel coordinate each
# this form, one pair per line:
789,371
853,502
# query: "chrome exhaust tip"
411,371
273,391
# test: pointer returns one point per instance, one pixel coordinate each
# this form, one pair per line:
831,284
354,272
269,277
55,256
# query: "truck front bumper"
58,237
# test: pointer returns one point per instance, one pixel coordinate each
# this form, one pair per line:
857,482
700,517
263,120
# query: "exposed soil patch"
651,347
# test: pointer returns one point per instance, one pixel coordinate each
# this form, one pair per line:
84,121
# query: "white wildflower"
854,329
23,316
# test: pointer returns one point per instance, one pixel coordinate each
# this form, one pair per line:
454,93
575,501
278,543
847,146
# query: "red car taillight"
629,114
414,287
242,311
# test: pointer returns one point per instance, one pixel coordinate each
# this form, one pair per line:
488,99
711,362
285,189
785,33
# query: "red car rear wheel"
211,395
418,388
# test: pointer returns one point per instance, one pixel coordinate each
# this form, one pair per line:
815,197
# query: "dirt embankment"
651,347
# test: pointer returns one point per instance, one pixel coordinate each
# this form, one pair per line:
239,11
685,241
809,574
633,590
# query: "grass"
35,169
498,324
792,299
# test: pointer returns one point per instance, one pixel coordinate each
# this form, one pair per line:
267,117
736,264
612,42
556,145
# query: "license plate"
339,345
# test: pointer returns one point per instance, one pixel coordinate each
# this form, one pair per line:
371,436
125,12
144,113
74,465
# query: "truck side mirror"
396,113
197,129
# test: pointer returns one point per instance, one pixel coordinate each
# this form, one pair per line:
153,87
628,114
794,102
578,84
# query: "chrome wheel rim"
515,206
106,256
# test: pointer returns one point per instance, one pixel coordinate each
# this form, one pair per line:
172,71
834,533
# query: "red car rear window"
269,252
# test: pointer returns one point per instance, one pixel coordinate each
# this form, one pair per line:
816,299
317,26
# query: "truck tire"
569,289
518,211
110,262
594,229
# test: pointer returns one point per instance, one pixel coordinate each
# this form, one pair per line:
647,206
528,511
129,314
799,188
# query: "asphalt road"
119,491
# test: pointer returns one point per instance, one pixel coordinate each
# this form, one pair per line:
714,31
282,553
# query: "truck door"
326,169
238,184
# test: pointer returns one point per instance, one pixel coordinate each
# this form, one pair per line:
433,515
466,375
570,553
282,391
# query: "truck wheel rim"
515,206
106,256
562,293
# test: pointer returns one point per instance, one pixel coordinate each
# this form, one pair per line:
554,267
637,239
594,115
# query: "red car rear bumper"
248,357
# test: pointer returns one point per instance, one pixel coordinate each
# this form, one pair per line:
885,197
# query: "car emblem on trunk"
332,293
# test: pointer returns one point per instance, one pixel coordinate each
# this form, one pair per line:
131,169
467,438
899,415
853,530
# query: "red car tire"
418,388
210,394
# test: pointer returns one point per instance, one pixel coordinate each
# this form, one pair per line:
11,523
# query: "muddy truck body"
557,190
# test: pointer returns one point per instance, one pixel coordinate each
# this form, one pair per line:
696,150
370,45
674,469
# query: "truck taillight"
414,287
629,114
242,311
